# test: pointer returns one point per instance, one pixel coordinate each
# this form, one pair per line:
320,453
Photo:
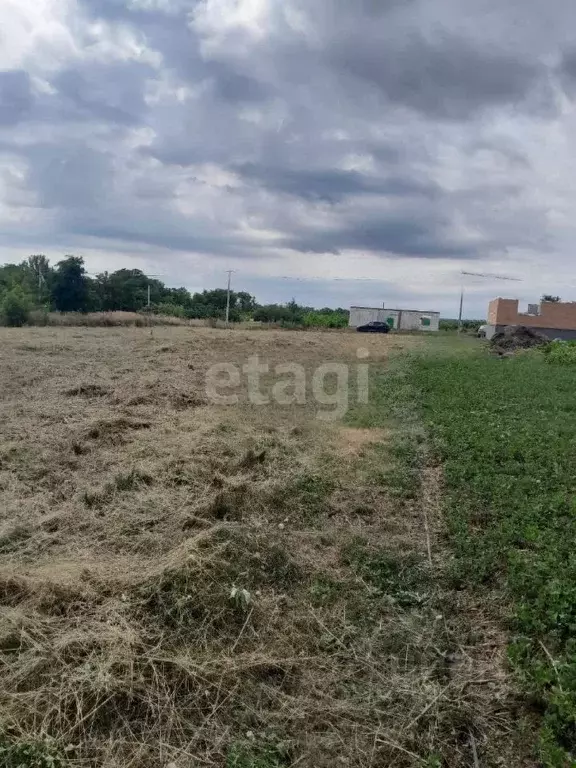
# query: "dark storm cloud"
16,97
400,237
330,185
448,78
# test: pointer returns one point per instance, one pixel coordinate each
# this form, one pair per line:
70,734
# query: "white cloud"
36,34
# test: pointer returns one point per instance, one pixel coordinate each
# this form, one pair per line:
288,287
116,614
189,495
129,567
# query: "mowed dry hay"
188,584
80,407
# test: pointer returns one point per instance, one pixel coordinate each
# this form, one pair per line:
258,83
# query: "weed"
324,590
401,578
249,755
95,499
312,491
560,353
87,390
123,482
29,755
10,541
129,481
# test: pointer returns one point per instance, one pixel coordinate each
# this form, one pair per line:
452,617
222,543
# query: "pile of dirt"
515,337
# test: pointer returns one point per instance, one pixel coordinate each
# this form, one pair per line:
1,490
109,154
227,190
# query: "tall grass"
101,319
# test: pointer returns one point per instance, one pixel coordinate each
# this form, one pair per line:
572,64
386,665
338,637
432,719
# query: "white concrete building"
397,319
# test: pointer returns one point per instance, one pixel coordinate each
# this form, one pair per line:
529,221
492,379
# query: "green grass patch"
29,755
396,464
311,492
252,755
401,578
505,431
561,353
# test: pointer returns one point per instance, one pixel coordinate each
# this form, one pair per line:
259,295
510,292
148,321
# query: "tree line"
36,285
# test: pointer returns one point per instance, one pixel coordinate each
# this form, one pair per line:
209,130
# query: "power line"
484,275
492,276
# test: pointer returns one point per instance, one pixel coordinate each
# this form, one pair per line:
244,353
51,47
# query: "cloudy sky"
336,151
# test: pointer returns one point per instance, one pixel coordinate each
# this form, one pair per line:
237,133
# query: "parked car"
374,327
482,331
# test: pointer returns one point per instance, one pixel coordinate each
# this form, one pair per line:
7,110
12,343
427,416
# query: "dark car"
374,327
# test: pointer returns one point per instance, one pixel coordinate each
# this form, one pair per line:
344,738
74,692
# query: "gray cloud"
72,177
331,185
104,92
397,236
447,79
16,97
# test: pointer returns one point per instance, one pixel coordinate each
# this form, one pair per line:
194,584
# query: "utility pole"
148,297
228,298
461,308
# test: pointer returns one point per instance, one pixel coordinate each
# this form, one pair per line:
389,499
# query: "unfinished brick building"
555,319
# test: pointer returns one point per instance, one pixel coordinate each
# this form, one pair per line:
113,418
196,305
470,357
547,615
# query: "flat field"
505,433
185,583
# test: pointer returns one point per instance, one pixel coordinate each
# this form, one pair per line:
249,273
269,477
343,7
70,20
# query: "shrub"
171,310
325,320
561,352
29,755
15,309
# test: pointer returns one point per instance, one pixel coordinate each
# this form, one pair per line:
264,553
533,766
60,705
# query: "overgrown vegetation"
560,353
505,432
22,754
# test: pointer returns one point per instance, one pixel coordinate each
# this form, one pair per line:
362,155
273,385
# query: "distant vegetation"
35,286
467,325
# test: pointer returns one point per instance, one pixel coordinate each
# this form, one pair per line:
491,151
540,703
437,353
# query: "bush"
15,309
171,310
561,352
325,320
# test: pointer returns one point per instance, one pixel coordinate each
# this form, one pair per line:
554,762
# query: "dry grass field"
189,584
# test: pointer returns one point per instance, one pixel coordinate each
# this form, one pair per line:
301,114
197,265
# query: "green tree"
126,290
70,290
245,302
15,308
178,296
273,313
549,299
40,274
